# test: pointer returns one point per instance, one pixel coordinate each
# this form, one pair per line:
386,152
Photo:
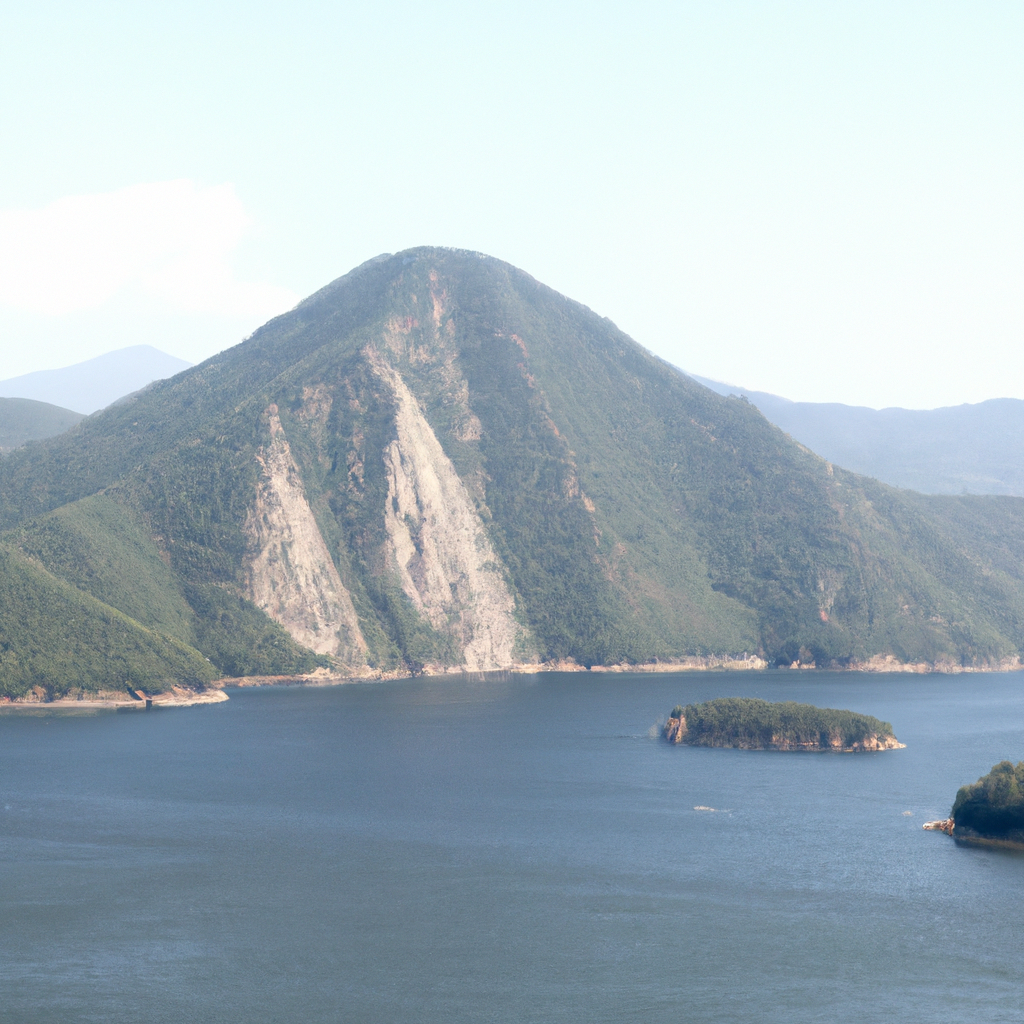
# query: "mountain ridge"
963,449
480,473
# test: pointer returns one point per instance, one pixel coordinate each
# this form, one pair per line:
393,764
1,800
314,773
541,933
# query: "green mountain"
23,420
437,462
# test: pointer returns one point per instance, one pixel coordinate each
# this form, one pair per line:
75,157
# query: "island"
990,810
752,724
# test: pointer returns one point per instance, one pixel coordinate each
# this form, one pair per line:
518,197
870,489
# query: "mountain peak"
437,463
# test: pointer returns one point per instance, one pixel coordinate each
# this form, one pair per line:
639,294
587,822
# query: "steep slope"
60,641
436,463
289,573
446,563
98,548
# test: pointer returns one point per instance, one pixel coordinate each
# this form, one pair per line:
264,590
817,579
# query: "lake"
505,851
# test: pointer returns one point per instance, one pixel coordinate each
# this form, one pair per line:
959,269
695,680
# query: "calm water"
449,850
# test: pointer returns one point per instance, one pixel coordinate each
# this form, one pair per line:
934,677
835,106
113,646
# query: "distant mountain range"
438,463
92,385
962,449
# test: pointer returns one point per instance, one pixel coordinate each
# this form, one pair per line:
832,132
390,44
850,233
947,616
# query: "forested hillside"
436,462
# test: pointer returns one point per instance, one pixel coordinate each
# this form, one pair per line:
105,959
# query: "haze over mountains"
437,463
22,420
92,385
963,449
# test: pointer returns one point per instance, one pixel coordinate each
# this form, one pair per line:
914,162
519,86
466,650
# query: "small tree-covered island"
990,809
752,724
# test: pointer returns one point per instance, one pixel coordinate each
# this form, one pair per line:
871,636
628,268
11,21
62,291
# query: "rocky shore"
180,696
1012,840
112,700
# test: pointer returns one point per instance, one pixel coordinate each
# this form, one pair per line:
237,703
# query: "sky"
820,200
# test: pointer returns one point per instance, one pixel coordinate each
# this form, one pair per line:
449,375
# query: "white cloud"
169,240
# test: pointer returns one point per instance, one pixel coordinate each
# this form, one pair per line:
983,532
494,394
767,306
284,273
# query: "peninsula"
991,809
752,724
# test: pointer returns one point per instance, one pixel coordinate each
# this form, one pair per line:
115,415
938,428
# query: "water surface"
457,850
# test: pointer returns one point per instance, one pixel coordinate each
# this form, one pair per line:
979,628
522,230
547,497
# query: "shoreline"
990,842
741,663
181,696
968,837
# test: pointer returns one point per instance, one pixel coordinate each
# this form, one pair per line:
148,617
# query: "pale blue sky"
823,200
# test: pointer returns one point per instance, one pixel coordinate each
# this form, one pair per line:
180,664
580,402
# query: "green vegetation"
638,515
757,724
240,639
994,805
54,637
23,420
101,549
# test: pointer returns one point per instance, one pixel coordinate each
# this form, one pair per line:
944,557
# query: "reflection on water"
514,850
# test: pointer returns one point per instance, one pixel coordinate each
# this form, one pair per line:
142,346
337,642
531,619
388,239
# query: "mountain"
962,449
92,385
436,462
22,419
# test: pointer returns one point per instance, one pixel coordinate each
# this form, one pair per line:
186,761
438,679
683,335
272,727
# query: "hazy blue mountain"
22,419
92,385
961,449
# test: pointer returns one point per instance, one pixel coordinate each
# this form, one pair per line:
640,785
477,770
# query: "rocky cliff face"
447,565
289,571
436,542
675,729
